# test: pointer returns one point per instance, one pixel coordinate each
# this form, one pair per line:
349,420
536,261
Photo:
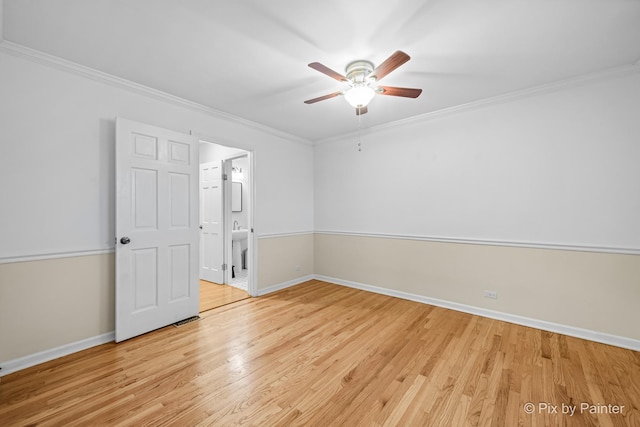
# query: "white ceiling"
249,57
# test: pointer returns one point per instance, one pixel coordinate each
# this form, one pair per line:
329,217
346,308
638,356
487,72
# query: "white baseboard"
506,317
24,362
285,285
14,365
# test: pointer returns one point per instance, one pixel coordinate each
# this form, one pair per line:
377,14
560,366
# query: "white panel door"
211,222
156,228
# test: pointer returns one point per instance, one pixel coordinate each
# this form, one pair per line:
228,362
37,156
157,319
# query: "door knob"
125,240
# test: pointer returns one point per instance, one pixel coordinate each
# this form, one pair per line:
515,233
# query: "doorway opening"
227,245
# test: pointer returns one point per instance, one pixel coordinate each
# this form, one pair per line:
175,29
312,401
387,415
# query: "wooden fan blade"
361,110
328,71
390,64
322,98
400,91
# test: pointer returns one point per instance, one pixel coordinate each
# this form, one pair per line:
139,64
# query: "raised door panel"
179,200
144,195
179,274
144,286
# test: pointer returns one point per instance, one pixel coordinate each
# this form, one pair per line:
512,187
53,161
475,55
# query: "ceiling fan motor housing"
357,72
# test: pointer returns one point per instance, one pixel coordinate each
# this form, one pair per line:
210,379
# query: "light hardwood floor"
320,355
213,295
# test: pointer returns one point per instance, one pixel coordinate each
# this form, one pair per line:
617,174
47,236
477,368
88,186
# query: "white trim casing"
470,241
283,234
535,245
253,241
56,255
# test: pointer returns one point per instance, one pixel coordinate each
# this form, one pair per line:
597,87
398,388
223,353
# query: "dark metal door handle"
125,240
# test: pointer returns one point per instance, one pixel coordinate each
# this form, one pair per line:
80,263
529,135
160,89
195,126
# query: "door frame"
227,165
252,247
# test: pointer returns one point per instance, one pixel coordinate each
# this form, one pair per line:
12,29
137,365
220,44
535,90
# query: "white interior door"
211,222
157,230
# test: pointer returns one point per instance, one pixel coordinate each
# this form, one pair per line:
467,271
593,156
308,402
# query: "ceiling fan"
362,79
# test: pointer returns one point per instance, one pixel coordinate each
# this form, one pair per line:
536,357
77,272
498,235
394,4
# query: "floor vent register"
185,321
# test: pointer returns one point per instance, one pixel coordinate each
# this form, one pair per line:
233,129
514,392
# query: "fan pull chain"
360,132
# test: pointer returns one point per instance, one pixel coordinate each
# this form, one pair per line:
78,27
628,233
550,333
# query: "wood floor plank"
321,354
213,295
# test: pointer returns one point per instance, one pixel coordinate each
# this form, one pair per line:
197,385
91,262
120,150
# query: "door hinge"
225,177
224,267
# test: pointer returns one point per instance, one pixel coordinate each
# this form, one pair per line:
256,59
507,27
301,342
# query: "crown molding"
552,87
46,59
58,63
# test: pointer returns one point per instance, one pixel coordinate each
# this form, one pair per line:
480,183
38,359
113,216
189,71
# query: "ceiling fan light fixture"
359,96
363,79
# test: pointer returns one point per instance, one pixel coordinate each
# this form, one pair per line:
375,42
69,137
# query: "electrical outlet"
491,294
297,268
